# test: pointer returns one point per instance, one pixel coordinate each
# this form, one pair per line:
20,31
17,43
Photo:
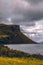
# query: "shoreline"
7,52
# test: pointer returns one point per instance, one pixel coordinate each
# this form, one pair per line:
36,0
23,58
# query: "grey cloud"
34,1
21,10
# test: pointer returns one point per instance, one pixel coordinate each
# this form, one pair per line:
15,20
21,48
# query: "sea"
28,48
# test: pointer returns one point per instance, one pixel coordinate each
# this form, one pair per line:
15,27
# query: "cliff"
11,34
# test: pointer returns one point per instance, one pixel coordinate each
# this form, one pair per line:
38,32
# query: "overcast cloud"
21,10
27,13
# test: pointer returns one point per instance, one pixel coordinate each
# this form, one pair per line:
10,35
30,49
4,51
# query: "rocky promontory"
11,34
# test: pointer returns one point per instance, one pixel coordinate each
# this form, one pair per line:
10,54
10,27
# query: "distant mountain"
41,42
11,34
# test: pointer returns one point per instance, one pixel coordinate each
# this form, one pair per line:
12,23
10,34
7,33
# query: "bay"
28,48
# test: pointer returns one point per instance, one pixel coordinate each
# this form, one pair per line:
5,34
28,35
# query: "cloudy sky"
27,13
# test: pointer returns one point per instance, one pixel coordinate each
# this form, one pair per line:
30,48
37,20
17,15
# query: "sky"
26,13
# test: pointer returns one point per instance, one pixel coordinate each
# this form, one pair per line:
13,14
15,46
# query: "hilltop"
11,34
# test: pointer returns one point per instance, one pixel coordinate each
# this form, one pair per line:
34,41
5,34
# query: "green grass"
20,61
4,36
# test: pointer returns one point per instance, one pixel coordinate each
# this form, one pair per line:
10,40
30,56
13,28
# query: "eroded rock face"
14,28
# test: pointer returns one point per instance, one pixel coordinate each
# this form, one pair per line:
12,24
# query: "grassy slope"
20,61
17,60
28,40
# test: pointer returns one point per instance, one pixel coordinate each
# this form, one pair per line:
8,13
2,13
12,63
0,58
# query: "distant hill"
41,42
11,34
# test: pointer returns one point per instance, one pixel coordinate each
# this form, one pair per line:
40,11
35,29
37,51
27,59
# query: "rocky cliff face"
14,28
11,34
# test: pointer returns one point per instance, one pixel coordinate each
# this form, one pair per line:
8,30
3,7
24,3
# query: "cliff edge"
11,34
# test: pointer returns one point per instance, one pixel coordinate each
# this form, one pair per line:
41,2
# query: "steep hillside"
11,34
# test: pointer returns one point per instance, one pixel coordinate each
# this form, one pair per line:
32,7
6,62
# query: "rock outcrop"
11,34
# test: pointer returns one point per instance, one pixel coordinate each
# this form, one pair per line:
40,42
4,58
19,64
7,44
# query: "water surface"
28,48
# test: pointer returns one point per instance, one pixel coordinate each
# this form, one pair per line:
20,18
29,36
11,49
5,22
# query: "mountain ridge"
11,34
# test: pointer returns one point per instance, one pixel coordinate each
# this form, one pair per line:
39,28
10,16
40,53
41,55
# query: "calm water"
28,48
